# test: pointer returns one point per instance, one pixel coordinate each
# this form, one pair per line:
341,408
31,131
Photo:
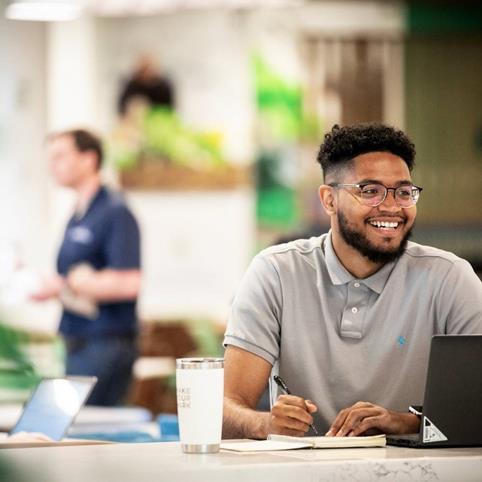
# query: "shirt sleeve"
254,323
122,247
461,300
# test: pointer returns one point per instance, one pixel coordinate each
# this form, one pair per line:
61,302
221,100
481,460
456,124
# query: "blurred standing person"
147,83
98,266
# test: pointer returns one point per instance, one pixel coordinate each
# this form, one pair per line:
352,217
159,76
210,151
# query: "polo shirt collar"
339,274
78,215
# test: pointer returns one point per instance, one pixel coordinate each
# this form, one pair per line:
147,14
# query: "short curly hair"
342,144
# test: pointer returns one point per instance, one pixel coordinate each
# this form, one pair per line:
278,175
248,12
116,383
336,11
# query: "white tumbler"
200,387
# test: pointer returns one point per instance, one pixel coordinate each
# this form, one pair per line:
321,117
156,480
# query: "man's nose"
390,203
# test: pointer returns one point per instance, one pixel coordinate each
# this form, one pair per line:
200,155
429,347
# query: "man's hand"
50,288
290,415
365,418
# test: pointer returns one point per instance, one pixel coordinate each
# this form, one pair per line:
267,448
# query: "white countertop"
164,461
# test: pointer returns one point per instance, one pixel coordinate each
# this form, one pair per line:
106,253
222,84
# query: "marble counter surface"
165,462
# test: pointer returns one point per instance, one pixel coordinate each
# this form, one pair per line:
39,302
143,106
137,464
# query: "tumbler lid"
199,363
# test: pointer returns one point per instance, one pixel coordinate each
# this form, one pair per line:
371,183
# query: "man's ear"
91,158
327,199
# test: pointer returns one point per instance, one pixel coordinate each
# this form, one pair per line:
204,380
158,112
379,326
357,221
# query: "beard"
362,244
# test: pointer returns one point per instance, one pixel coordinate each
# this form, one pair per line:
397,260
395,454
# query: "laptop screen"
53,406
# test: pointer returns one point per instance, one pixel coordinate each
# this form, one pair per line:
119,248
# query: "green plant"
161,134
16,371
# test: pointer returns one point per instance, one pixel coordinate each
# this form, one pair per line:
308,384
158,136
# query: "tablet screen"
53,406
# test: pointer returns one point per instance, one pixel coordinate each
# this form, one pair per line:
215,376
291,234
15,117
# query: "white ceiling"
150,7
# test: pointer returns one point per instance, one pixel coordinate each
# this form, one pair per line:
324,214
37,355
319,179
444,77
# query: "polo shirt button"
354,310
356,285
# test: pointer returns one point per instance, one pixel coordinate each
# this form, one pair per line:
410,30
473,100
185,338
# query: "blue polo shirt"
105,237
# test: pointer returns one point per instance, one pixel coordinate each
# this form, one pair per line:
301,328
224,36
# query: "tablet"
53,406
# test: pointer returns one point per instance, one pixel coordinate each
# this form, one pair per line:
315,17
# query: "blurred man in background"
148,83
98,268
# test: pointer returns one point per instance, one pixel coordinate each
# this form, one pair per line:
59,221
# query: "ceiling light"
152,7
45,11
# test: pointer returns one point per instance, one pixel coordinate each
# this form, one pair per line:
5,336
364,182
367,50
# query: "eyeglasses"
373,194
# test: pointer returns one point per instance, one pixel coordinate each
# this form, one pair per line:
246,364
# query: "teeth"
384,224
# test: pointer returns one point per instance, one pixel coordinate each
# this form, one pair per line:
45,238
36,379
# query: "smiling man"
364,237
346,319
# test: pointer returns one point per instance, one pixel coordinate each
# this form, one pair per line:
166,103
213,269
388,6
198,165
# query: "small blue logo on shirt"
401,340
81,234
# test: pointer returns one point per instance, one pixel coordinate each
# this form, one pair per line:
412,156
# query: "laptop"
451,415
53,406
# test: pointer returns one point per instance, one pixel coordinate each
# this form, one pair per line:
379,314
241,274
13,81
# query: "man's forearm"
105,285
243,422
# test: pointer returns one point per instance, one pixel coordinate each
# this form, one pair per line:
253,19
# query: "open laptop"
53,406
451,415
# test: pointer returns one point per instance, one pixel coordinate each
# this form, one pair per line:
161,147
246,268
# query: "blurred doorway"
347,80
354,79
444,119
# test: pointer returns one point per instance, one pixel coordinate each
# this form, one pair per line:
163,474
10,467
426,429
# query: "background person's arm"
50,288
107,285
245,377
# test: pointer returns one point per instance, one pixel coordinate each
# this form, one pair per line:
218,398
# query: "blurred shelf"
156,174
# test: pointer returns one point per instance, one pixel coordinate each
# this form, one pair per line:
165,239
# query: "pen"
281,383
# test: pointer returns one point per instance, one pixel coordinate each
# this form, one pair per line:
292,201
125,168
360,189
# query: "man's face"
68,166
364,227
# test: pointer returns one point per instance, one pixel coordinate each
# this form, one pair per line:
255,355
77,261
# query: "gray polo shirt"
336,339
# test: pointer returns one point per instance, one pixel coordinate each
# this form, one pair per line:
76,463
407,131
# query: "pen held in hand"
281,383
